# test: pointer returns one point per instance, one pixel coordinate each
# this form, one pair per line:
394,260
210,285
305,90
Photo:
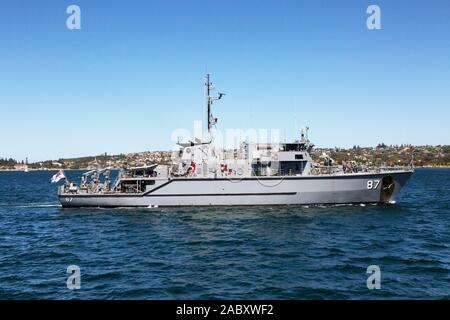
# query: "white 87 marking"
372,184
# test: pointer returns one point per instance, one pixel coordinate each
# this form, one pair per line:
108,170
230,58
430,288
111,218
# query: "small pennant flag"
58,176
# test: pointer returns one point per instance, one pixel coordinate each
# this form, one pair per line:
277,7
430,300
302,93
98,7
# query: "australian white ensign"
58,176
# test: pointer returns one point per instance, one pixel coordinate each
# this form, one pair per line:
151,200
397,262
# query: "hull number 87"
372,184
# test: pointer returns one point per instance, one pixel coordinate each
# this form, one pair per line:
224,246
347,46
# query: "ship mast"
211,120
208,97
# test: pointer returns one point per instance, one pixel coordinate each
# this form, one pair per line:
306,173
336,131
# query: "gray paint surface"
345,188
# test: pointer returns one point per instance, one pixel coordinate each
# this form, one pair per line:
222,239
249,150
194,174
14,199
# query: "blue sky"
135,72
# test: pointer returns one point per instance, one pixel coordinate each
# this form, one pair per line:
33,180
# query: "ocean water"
292,252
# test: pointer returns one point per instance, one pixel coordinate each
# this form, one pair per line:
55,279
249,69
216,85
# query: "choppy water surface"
292,252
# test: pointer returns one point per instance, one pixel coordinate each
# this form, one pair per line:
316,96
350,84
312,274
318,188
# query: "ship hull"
348,188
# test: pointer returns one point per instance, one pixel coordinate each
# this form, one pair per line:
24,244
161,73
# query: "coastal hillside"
424,156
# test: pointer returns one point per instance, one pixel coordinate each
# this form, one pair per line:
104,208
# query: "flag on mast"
58,176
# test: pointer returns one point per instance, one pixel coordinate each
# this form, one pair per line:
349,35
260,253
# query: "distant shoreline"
50,169
86,169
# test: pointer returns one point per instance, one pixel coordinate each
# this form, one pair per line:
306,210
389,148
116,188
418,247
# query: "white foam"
40,206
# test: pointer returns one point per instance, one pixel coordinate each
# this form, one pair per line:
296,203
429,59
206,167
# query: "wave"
37,205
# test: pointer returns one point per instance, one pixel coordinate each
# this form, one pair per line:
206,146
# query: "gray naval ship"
202,174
